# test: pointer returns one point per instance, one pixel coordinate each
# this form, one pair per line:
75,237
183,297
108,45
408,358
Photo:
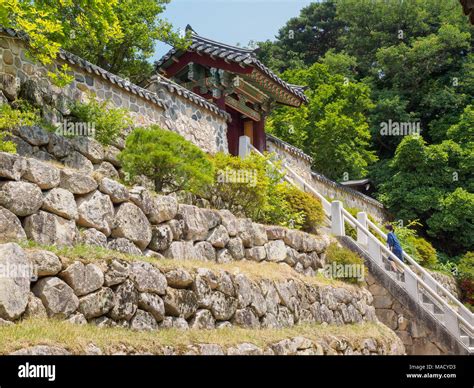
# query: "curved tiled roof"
241,56
288,147
336,185
171,86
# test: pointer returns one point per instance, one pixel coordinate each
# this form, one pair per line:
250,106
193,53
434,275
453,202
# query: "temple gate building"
233,79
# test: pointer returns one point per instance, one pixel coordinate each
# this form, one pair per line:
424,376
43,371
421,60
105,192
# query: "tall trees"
332,127
118,35
415,62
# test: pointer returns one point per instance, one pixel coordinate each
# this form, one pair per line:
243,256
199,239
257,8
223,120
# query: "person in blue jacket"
395,247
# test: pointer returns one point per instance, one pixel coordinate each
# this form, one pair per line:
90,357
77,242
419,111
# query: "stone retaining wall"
144,296
168,105
394,307
296,346
48,203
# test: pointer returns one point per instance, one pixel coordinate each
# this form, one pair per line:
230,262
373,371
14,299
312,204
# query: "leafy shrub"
253,188
165,157
280,211
243,185
466,278
11,118
336,255
466,266
108,122
448,267
306,204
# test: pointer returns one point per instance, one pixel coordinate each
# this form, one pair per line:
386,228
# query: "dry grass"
76,338
254,270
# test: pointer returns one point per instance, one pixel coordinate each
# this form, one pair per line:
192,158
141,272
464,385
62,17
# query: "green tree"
453,224
170,161
332,127
304,39
425,184
118,35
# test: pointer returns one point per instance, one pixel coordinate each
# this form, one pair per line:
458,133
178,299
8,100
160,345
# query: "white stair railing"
434,298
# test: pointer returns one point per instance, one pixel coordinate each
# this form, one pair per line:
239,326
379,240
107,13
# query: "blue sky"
231,21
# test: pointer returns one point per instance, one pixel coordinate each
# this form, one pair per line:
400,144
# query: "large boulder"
106,170
22,147
58,298
181,250
275,232
83,279
117,273
256,254
179,278
34,135
96,210
163,208
203,320
14,281
141,197
35,308
223,306
50,229
125,301
11,166
147,278
10,227
218,237
59,146
97,304
111,155
61,202
205,251
276,251
117,192
9,85
45,263
224,256
236,248
196,224
246,318
161,239
180,303
230,222
143,321
131,223
90,148
79,162
43,175
153,304
124,246
94,238
76,182
21,198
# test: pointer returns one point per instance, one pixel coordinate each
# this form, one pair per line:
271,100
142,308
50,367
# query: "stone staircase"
420,290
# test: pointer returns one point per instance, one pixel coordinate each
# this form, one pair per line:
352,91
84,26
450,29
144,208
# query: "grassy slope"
76,338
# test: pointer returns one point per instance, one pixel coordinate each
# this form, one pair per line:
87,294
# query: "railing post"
244,146
374,250
411,284
337,219
451,322
362,238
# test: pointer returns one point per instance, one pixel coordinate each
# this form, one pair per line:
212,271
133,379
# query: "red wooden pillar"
259,138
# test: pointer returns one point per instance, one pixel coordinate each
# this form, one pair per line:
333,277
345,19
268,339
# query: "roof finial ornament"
189,28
